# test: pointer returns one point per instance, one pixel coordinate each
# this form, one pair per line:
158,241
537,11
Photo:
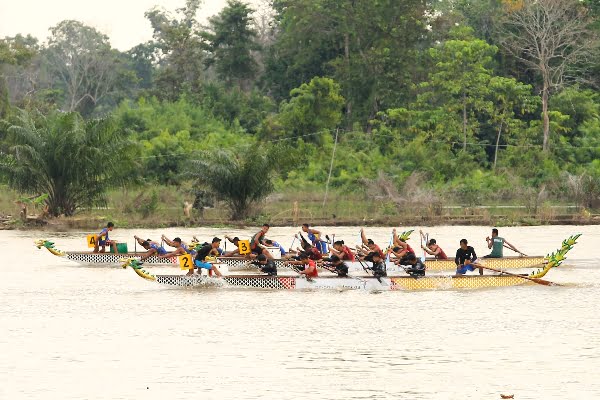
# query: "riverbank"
170,208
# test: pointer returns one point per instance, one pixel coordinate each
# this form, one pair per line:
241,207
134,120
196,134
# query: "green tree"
180,57
230,40
240,179
509,97
458,82
72,160
314,107
14,51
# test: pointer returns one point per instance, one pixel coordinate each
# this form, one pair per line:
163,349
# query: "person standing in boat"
205,251
415,266
466,259
152,248
257,245
265,265
433,249
315,238
338,266
497,244
102,240
343,252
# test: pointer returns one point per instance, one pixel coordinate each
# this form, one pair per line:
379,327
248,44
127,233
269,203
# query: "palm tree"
239,179
72,160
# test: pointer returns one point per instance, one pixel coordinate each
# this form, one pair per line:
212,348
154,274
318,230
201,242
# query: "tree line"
479,99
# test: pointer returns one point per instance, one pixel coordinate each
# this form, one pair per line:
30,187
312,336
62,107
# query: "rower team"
315,251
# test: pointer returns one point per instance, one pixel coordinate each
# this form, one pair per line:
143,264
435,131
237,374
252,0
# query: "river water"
73,332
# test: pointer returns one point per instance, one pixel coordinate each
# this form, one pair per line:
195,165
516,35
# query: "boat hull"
88,258
334,283
239,264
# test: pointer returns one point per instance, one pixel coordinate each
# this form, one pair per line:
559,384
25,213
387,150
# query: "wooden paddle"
536,280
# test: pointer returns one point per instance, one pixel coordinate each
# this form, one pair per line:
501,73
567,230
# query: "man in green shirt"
496,243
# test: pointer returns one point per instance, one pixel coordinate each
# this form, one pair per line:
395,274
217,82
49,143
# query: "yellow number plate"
91,241
244,246
186,262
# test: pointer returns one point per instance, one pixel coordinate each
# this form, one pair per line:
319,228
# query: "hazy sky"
122,20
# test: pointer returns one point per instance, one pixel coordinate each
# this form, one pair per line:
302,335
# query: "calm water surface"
72,332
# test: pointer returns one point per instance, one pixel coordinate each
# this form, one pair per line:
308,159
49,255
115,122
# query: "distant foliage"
72,160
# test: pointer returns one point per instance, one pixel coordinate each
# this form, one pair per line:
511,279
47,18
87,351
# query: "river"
73,332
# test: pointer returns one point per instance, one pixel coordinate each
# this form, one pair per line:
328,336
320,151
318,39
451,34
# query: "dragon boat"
88,258
240,264
365,283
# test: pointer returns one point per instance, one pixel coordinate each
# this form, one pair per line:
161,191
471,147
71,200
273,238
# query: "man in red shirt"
342,251
310,266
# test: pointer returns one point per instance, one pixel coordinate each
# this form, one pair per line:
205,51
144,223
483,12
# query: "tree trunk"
545,116
464,121
347,62
497,144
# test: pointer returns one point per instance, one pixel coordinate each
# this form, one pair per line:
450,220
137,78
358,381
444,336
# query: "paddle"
536,280
387,259
423,256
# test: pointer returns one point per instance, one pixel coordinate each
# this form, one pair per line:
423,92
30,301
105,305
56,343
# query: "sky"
122,20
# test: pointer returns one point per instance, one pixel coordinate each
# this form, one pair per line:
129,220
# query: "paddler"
180,248
369,243
497,244
431,247
235,252
273,243
310,266
205,251
338,266
315,238
102,240
401,249
177,244
378,267
415,266
265,265
465,258
340,250
152,248
257,245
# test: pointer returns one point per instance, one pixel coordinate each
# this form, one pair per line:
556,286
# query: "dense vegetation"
420,102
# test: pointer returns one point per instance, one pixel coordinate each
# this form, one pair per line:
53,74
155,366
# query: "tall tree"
83,63
14,51
231,40
458,81
314,107
72,160
552,38
180,50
